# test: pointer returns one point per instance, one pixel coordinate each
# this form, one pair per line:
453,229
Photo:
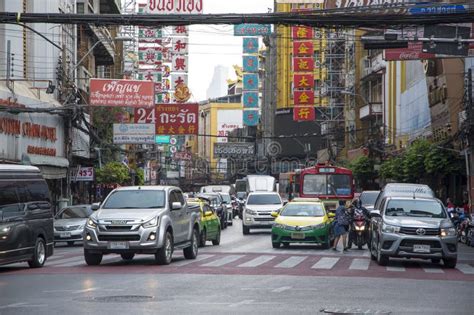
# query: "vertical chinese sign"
303,73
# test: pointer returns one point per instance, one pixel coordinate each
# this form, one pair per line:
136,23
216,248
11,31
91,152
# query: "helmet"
356,203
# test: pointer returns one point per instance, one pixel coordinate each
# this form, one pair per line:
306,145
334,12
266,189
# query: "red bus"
326,182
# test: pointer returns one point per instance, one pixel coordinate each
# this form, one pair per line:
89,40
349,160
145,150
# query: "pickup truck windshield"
135,199
415,208
269,199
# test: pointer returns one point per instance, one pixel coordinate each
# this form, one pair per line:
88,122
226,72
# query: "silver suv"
415,228
142,220
258,209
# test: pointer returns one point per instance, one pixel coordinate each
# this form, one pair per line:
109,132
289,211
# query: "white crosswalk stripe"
465,269
257,261
359,264
291,262
223,261
325,263
432,269
190,261
395,269
64,261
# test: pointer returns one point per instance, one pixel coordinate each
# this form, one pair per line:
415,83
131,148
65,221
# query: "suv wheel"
127,256
191,252
203,238
39,256
382,260
92,259
245,230
450,262
163,255
217,241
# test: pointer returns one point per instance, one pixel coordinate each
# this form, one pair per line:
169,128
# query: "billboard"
177,119
174,7
228,120
234,150
134,134
122,93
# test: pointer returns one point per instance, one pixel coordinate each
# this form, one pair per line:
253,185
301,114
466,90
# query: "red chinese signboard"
177,119
303,64
303,81
303,97
413,52
303,48
304,113
122,93
302,32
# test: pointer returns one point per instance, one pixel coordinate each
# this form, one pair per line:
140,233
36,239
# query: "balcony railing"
103,34
370,111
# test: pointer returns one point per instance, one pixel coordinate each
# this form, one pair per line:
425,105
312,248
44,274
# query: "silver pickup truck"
142,220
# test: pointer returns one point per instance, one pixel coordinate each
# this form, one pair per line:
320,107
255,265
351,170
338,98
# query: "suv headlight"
91,223
5,229
250,212
151,223
448,232
387,228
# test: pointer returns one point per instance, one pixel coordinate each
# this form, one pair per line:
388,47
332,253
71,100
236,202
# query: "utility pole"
469,149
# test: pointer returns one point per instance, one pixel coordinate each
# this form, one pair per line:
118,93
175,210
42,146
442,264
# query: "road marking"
282,289
80,261
396,269
190,261
465,269
432,269
257,261
291,262
359,264
17,305
325,263
223,261
244,302
64,261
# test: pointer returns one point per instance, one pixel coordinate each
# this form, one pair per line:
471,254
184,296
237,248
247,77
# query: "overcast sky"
212,45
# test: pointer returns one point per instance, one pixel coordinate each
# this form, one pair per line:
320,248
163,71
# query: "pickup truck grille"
410,243
118,238
412,231
64,228
118,228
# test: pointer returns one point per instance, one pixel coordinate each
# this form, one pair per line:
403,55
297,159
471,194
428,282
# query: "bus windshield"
323,184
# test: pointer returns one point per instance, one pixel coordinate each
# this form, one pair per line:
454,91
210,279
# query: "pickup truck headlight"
387,228
151,223
250,212
5,229
91,223
448,232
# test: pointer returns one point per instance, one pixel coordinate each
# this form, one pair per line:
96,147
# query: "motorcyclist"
355,210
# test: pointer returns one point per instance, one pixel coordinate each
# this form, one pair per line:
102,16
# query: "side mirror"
208,213
176,205
285,202
95,206
331,215
274,214
375,213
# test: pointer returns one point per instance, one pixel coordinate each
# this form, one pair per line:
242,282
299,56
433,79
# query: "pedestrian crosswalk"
278,264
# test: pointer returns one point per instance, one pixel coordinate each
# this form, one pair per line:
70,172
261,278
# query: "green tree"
414,161
441,161
363,170
113,173
140,176
392,169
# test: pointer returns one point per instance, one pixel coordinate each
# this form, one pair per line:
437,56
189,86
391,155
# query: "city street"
245,275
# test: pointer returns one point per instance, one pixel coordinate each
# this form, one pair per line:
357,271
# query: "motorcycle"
465,230
359,230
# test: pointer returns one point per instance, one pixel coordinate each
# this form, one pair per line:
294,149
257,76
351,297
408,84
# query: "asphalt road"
244,275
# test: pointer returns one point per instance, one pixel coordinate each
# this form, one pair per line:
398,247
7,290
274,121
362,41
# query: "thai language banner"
174,7
121,93
252,29
177,119
134,134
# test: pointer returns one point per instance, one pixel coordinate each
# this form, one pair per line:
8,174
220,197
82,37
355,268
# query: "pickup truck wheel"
164,255
203,238
245,230
92,259
217,241
450,262
191,252
39,255
382,260
127,256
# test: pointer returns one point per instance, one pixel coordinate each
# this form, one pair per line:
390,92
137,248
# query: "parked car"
26,216
69,223
142,220
210,223
413,227
217,203
368,198
258,209
304,220
228,207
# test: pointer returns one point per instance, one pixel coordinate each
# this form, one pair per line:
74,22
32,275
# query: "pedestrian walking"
341,226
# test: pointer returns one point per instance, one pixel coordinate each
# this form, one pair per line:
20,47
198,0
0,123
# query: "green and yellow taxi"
210,223
303,220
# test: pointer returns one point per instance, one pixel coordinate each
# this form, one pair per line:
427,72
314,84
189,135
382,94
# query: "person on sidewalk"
341,226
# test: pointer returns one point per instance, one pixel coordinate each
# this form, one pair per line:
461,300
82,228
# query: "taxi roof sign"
306,200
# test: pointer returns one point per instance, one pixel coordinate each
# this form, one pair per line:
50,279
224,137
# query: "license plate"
421,248
65,234
297,236
118,245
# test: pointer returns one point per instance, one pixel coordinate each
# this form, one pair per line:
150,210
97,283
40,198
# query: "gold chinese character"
171,131
304,98
181,130
302,32
303,64
303,82
191,129
302,49
303,113
161,130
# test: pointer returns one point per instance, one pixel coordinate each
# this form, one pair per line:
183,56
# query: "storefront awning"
52,167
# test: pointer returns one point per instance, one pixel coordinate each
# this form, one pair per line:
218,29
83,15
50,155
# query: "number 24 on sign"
144,116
